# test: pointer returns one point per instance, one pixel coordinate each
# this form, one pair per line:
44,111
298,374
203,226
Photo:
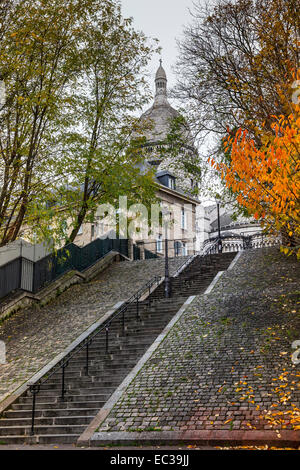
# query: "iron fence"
176,248
10,276
30,276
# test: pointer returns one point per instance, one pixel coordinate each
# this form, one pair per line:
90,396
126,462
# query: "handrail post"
106,337
63,391
34,389
63,383
87,360
123,321
137,309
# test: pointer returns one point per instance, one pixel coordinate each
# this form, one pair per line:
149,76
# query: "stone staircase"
197,275
63,421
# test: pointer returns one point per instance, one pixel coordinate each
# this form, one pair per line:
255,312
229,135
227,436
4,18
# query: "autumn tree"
266,179
235,62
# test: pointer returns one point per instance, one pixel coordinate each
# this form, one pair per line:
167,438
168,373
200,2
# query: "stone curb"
86,436
213,283
7,402
235,260
201,438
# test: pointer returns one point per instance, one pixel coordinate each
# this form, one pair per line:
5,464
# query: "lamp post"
219,227
165,213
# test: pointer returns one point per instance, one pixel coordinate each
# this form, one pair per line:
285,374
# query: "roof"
161,74
163,173
160,116
225,220
161,113
178,192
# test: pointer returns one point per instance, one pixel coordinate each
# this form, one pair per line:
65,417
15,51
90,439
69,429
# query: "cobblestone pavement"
226,364
34,336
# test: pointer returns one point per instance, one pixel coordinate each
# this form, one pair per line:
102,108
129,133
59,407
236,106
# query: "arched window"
177,248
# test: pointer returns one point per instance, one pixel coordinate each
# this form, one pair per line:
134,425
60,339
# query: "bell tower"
161,86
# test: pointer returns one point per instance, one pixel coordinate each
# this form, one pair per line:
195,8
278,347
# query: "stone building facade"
237,233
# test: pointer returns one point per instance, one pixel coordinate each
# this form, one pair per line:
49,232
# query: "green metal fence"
24,274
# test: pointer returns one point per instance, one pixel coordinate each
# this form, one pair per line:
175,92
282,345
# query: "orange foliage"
266,180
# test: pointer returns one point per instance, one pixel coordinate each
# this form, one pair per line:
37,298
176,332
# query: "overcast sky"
164,20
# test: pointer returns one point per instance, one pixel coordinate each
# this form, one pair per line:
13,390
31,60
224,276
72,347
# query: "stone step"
58,421
48,421
59,412
58,405
56,429
102,363
115,348
155,320
44,439
99,397
90,380
16,439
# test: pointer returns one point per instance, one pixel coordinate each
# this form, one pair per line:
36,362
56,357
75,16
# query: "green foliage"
180,155
73,72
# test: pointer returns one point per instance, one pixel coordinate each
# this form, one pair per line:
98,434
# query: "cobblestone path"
34,336
226,364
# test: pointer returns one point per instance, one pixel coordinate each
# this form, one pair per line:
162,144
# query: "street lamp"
219,226
165,212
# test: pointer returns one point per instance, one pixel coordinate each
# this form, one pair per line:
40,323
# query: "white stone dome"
161,113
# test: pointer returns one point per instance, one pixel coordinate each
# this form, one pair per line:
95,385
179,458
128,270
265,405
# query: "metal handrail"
205,251
183,265
63,363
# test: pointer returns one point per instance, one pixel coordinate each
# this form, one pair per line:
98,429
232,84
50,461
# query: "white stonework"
159,121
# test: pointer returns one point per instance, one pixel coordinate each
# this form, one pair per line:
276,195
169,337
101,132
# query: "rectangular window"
183,219
92,231
184,249
171,183
159,244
